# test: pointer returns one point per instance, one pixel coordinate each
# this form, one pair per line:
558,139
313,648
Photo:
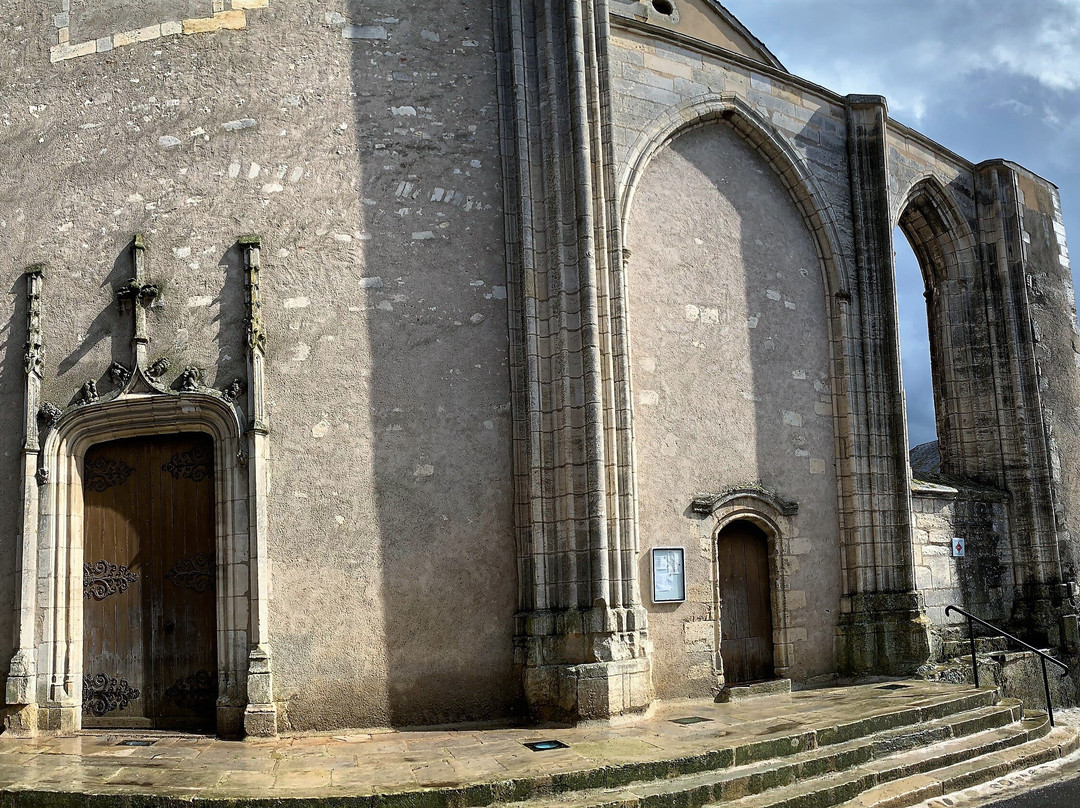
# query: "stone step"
949,760
983,645
725,784
916,788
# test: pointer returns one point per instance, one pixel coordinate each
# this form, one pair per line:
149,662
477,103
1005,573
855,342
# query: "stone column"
882,627
260,715
580,632
1036,345
20,692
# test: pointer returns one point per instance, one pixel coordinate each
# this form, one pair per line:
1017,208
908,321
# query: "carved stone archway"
44,684
60,544
775,517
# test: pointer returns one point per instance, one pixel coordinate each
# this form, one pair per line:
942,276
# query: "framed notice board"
668,575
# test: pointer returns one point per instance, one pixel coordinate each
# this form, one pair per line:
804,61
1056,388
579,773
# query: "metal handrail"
1042,656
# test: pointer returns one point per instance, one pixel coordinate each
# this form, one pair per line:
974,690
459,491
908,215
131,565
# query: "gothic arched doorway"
149,650
746,628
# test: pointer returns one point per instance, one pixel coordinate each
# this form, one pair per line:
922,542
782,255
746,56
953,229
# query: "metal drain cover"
690,719
892,687
546,746
136,742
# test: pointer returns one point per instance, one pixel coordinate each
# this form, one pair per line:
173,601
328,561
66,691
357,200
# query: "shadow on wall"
438,387
230,320
108,324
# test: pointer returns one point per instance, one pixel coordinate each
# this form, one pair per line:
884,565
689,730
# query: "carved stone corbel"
233,391
119,374
88,393
50,413
159,368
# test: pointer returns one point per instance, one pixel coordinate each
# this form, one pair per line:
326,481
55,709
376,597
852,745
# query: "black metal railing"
1043,658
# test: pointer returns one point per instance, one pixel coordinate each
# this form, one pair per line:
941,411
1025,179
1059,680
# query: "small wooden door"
149,650
746,634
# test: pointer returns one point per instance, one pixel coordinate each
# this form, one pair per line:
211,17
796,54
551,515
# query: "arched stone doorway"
746,624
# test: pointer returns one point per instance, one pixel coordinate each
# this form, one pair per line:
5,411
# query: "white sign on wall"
959,548
668,575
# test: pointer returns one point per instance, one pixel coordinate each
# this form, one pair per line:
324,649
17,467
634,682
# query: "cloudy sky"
986,78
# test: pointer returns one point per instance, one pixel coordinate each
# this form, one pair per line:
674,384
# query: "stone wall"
490,246
980,581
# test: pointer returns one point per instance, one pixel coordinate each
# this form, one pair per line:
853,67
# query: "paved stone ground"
362,764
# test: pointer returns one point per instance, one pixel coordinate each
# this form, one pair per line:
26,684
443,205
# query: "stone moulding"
226,15
706,504
581,630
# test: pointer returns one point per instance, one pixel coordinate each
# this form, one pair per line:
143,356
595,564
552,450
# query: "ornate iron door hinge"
197,692
195,465
104,472
103,579
103,694
196,573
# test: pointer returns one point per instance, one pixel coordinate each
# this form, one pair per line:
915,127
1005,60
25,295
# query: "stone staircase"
892,760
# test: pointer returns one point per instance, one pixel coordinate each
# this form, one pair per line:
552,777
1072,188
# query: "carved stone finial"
190,378
233,391
50,413
119,374
42,476
159,368
135,291
256,337
88,394
34,355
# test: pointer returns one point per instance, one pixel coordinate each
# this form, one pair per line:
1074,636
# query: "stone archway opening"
61,667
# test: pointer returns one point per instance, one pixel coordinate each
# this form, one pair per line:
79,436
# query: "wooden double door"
149,581
746,630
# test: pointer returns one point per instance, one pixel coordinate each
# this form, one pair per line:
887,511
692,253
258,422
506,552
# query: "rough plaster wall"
370,167
981,580
730,362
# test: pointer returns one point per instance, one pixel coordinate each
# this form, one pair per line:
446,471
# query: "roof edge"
744,31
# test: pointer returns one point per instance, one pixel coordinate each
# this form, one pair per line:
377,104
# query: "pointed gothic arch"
842,307
945,247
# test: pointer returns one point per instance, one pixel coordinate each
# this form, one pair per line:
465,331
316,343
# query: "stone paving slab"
363,764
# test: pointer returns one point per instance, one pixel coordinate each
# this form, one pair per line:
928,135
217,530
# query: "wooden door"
746,635
149,649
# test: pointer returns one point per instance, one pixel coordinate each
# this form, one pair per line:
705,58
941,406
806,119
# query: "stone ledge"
734,693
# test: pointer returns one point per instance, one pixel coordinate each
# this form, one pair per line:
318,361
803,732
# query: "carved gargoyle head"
159,368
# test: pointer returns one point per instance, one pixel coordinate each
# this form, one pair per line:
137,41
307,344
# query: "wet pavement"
368,763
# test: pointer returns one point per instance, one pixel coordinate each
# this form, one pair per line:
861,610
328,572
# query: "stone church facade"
463,313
